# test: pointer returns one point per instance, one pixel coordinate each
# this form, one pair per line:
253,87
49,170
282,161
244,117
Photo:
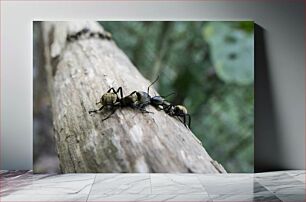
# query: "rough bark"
78,74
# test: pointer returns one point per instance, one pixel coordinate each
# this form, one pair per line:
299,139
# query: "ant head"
180,109
142,96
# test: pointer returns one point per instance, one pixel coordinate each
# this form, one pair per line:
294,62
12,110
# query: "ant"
140,100
177,111
143,99
111,101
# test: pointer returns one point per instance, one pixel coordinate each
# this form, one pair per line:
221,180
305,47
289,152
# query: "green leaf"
232,52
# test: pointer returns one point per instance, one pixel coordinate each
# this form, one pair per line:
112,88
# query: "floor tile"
259,189
263,194
12,183
121,184
149,198
292,188
54,184
266,198
295,171
282,184
175,184
14,173
271,175
43,198
229,197
183,198
223,184
287,186
280,174
245,198
298,176
292,197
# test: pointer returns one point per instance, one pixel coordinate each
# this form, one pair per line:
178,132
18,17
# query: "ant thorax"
128,100
143,97
133,98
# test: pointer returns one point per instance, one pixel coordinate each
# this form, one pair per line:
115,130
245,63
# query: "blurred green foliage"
211,67
231,52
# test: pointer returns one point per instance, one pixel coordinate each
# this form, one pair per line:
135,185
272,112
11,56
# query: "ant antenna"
173,93
152,83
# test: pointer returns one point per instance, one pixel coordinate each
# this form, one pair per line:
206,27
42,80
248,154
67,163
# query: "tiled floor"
275,186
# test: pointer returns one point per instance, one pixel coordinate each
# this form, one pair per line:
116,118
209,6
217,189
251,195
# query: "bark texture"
78,74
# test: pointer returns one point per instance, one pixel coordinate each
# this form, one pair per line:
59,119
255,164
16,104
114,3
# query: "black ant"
140,100
177,111
132,101
110,101
143,99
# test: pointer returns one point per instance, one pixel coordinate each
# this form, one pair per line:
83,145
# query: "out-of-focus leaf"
232,52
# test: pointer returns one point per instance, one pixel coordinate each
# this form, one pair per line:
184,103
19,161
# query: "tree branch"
78,74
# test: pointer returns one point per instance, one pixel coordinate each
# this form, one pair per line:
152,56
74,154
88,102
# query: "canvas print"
143,96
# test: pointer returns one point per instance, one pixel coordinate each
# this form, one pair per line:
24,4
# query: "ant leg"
145,111
184,119
98,102
133,92
119,90
110,115
179,118
158,107
141,109
96,110
189,120
166,107
112,89
173,93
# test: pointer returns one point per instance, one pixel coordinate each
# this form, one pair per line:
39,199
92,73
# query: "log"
78,73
